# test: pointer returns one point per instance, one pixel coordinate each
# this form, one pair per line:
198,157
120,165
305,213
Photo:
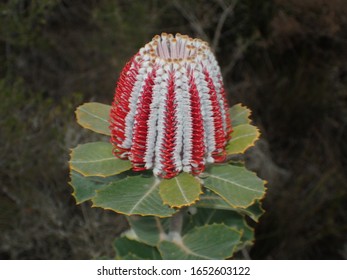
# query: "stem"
176,223
245,254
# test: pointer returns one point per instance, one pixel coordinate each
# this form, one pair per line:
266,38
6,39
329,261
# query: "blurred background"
284,59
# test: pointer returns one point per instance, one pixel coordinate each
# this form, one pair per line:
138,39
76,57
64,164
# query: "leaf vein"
241,113
93,115
144,196
233,182
95,160
189,251
181,190
242,136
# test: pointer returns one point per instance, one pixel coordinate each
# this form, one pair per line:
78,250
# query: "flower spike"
170,112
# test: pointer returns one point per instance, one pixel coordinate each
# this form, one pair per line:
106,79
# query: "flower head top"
170,112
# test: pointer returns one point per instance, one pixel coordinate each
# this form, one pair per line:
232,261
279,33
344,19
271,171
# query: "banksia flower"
170,112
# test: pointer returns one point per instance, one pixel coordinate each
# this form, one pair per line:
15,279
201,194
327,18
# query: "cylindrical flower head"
170,112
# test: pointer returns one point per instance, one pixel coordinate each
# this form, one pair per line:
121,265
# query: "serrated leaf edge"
258,134
246,110
182,205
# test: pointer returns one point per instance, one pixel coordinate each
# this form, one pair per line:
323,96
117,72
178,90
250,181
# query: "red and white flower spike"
170,112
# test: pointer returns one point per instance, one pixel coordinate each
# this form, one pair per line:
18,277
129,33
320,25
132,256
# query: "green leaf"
127,249
94,116
236,185
182,190
96,159
135,195
149,230
247,236
85,187
255,211
212,216
232,219
244,134
239,115
130,257
208,242
242,137
213,201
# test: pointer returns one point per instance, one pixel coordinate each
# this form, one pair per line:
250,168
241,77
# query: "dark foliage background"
285,59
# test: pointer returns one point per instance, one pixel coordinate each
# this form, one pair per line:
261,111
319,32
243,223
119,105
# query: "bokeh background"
284,59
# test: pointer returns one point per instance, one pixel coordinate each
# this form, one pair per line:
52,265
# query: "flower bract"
170,112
